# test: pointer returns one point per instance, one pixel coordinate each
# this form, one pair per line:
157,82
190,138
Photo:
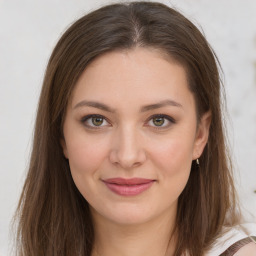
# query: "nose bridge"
128,147
127,141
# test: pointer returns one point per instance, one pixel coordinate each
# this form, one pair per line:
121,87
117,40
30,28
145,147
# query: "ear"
202,134
64,147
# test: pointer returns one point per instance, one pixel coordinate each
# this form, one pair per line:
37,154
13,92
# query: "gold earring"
197,161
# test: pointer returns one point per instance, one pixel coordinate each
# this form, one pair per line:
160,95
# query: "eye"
95,121
160,121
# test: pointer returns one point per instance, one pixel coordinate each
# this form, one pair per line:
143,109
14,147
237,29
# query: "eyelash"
88,117
165,117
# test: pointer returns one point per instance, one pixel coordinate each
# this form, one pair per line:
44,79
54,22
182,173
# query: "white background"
29,30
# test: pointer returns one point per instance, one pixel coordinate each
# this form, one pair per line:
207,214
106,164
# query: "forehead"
140,74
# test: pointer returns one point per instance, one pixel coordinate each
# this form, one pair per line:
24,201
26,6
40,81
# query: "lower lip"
129,190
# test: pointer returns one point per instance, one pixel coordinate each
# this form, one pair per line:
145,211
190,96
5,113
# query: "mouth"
128,187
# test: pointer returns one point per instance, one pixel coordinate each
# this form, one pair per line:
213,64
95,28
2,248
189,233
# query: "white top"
232,236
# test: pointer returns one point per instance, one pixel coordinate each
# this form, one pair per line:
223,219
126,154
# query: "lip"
128,187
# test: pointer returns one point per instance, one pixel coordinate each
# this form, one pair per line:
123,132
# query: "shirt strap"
238,245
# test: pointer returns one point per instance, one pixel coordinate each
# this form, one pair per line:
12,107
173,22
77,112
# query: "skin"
128,144
249,249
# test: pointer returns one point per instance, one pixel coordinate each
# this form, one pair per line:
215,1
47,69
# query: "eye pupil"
158,121
97,121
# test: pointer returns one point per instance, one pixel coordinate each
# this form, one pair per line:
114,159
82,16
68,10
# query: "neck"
154,238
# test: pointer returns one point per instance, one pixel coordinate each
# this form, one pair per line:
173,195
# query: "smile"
128,187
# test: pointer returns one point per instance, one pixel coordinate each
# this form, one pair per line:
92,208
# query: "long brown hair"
54,218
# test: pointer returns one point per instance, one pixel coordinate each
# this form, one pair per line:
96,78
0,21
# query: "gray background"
28,32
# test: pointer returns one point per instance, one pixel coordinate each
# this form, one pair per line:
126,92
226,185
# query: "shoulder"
237,241
248,249
241,247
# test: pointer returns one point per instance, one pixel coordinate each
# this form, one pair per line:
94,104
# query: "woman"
129,153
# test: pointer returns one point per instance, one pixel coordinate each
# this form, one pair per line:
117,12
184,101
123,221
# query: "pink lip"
128,187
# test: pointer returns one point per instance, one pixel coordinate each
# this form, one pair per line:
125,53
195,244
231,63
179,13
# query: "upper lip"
131,181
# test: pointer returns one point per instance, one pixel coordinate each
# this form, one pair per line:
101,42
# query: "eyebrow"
160,105
145,108
94,104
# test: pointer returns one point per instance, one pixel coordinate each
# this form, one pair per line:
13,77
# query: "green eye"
97,121
161,121
158,121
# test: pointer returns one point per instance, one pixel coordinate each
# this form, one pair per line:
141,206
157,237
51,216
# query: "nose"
127,149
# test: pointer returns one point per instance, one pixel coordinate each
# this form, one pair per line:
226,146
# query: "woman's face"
130,135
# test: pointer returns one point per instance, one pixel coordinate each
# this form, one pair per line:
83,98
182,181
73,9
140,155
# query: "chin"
124,214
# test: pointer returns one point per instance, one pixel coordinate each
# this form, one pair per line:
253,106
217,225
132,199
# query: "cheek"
173,153
173,160
85,156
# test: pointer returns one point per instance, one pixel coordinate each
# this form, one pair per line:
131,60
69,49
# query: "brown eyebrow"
94,104
160,105
104,107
